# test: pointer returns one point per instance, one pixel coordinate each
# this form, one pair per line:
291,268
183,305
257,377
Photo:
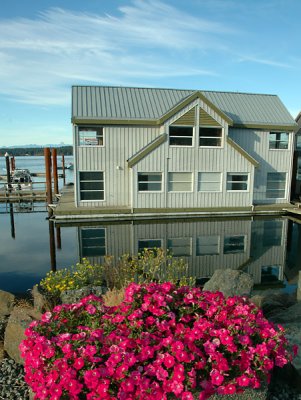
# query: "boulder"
230,282
18,321
273,301
73,296
6,302
41,302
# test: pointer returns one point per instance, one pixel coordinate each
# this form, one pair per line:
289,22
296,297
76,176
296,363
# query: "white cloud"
41,58
265,61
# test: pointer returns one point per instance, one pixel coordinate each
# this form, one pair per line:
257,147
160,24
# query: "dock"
65,210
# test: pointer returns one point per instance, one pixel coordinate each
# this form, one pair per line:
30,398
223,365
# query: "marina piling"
8,177
54,171
47,157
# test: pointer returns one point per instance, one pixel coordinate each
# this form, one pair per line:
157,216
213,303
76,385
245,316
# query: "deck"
65,210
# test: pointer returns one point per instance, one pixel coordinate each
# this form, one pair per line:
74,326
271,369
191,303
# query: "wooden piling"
12,221
54,171
12,163
47,157
8,176
58,238
63,167
52,246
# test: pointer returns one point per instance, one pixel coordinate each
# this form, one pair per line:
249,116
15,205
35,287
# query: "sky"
46,46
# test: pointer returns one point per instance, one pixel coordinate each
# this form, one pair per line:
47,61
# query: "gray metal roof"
129,103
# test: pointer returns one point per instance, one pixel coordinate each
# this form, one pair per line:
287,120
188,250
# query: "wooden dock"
22,195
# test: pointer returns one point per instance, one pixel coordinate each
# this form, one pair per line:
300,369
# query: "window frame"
179,191
221,137
211,181
278,141
247,174
150,191
189,244
150,240
90,228
90,129
218,245
89,180
273,190
181,127
234,236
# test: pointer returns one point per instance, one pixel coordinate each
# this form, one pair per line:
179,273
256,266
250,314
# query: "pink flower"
243,380
216,377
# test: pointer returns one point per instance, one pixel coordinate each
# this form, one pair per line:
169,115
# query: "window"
149,244
272,233
276,182
210,137
207,245
234,244
270,273
93,242
180,181
237,181
209,181
149,181
179,247
91,185
90,136
180,135
278,140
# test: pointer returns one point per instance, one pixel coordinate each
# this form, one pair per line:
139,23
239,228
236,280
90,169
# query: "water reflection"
257,246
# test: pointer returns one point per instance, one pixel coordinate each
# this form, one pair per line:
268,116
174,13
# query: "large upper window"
180,135
179,181
237,181
149,181
278,140
90,136
210,136
91,185
93,242
276,182
209,181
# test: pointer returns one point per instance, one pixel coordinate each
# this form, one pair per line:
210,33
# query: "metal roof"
134,104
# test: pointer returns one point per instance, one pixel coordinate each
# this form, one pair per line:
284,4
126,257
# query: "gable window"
149,181
93,242
209,181
179,181
207,245
237,181
234,244
278,140
90,136
91,185
180,135
179,247
276,183
210,136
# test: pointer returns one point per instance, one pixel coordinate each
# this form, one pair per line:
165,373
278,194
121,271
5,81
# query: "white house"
147,150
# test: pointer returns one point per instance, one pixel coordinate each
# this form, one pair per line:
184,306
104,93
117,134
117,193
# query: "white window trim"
238,173
150,191
182,145
180,191
285,189
91,227
212,137
104,188
92,128
210,191
209,254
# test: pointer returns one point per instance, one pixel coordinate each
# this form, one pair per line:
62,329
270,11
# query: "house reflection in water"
256,246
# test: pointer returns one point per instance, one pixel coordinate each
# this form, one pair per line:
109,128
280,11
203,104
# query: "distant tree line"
34,151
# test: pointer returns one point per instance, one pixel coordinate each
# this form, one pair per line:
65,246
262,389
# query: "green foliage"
149,266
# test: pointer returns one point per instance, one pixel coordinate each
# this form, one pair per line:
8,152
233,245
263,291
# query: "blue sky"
46,46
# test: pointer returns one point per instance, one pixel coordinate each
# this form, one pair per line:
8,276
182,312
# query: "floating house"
145,151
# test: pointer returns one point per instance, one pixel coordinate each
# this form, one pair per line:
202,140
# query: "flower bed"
161,342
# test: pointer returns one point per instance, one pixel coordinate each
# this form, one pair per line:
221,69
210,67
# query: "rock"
41,302
230,282
288,315
6,302
273,301
73,296
2,352
18,321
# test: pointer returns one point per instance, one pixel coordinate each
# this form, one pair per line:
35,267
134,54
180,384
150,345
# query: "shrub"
161,342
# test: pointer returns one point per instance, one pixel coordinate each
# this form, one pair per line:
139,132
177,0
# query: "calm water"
30,245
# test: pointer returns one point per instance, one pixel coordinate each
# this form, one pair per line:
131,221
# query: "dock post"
12,220
8,178
58,238
12,164
54,166
48,174
52,246
63,167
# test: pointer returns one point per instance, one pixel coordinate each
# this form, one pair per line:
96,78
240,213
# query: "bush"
161,342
